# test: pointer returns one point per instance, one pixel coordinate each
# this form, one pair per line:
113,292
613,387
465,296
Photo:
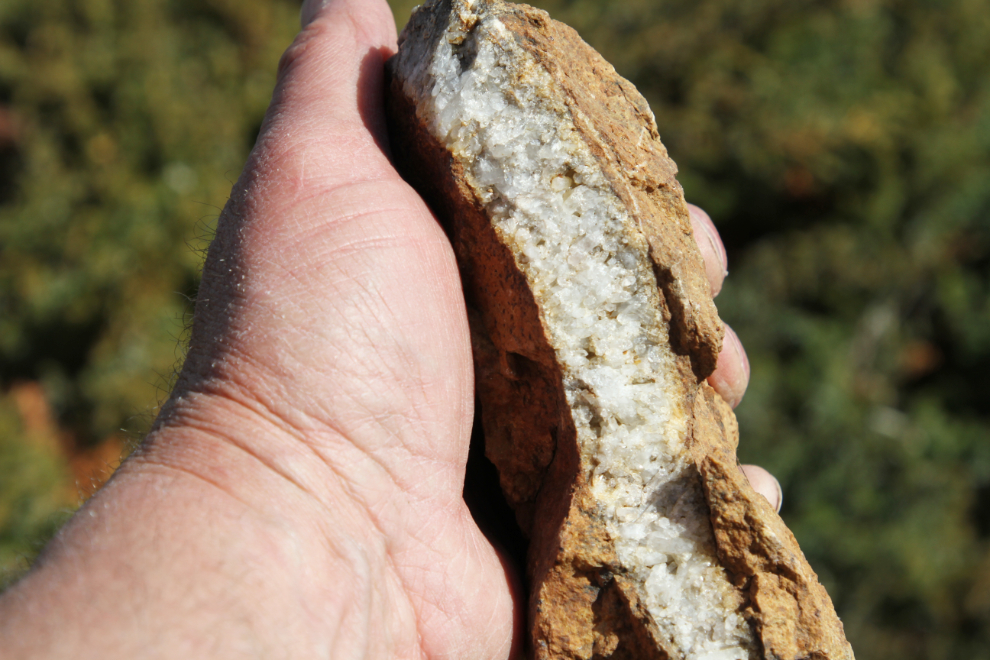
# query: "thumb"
331,296
330,292
373,9
329,89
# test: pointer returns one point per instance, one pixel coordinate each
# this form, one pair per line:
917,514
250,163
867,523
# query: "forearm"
217,559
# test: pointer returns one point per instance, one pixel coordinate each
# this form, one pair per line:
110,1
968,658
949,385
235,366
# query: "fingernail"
310,10
709,227
780,494
737,344
765,484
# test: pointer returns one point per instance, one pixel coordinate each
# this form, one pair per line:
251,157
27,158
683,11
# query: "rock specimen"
594,331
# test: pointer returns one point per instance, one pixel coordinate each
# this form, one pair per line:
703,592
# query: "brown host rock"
593,332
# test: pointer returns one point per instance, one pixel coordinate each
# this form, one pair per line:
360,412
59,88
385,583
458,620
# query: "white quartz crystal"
550,203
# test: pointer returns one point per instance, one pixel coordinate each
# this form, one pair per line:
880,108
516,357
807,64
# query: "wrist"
209,540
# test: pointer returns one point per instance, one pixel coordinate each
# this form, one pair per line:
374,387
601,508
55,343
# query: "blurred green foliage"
123,125
34,498
842,148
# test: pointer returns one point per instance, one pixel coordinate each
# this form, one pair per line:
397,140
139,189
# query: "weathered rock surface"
593,332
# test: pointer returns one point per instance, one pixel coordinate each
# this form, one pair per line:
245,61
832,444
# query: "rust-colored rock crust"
585,601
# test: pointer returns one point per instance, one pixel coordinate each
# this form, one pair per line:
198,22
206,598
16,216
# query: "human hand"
301,493
731,375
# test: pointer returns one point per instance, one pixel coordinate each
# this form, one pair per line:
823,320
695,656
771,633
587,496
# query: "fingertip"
765,484
334,34
309,11
743,357
326,123
372,18
711,247
731,376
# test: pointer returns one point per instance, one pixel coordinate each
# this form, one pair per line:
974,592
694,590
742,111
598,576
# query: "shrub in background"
843,149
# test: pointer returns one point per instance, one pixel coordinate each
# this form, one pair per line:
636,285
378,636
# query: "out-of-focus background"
841,146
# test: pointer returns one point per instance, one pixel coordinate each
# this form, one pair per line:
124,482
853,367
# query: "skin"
300,494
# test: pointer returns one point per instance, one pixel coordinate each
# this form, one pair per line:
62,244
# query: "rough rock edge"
581,605
619,128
